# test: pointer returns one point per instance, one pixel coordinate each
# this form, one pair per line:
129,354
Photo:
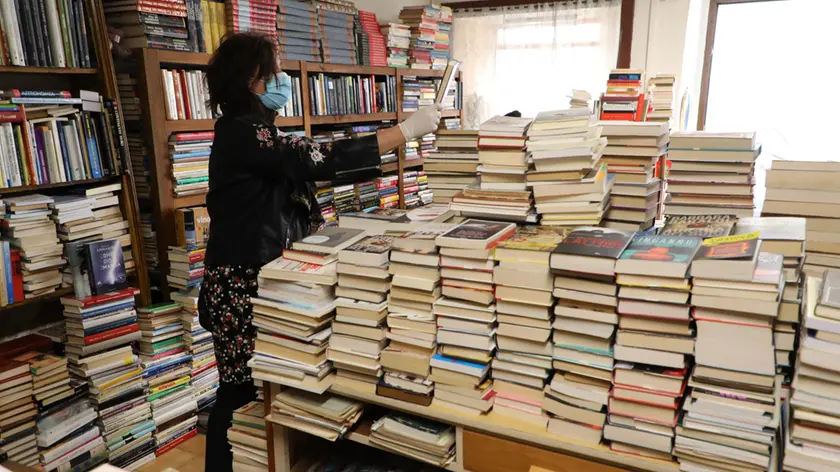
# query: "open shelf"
390,167
74,183
180,126
48,70
50,296
346,119
348,69
361,434
414,163
190,200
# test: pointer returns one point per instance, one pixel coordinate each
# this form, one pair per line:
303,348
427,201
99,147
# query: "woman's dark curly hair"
240,59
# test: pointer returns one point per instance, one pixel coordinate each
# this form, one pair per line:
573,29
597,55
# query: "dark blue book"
108,310
106,267
110,326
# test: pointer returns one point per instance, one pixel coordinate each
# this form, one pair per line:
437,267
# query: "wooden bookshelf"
42,187
31,301
180,126
351,119
48,70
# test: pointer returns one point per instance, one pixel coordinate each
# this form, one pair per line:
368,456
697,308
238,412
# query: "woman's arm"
389,139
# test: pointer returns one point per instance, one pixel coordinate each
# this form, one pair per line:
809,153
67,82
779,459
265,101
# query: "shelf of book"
31,301
349,119
38,188
48,70
347,69
361,435
390,167
202,59
180,126
190,201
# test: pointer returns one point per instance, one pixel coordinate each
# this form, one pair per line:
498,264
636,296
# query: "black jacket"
262,187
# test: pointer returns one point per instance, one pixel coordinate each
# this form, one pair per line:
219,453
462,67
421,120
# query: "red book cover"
252,3
182,76
100,299
12,116
197,257
203,369
617,116
30,342
111,334
182,137
640,108
179,100
17,275
177,442
144,8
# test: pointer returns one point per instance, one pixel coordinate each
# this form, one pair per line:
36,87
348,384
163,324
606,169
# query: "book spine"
79,127
179,98
8,274
73,33
65,153
191,25
33,153
23,154
27,26
115,333
42,157
206,34
119,133
11,33
64,26
17,275
43,33
4,297
81,16
93,150
56,146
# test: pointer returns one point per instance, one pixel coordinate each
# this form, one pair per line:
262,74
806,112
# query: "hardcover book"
674,249
595,242
704,226
476,234
830,293
106,268
378,244
329,240
533,238
785,229
741,246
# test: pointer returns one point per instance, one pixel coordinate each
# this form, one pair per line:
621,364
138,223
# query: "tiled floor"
188,457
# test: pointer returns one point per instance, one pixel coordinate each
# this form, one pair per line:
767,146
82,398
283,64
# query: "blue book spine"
7,261
109,326
115,308
65,153
471,365
93,149
184,155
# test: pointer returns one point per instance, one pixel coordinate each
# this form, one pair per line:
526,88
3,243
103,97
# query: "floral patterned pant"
224,304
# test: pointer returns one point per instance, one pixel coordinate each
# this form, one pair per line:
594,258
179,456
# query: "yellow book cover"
532,239
168,385
220,17
120,379
206,27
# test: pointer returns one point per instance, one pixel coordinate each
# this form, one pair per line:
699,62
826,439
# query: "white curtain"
530,58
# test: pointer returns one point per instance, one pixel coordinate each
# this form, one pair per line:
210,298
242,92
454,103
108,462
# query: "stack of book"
50,378
388,192
28,228
655,330
73,217
712,173
36,35
570,185
398,38
344,197
415,287
68,436
418,92
370,40
453,165
523,286
325,415
153,26
298,35
635,154
442,52
358,332
294,310
247,438
423,21
171,397
325,195
811,421
584,329
204,377
186,267
624,99
416,190
367,196
257,16
425,440
18,413
150,249
338,42
190,154
580,99
732,416
661,97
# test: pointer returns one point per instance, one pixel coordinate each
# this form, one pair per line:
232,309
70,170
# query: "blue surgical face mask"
278,91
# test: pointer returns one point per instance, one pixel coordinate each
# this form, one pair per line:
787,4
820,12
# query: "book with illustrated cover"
661,256
741,246
423,239
704,226
476,234
329,240
378,244
592,241
106,268
40,363
769,270
531,238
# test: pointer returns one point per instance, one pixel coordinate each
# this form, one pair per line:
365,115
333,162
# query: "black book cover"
125,397
119,131
106,266
26,25
81,16
190,4
741,246
476,230
130,456
595,242
111,140
704,226
72,32
678,249
43,34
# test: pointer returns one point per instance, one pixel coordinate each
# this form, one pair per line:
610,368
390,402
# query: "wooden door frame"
708,53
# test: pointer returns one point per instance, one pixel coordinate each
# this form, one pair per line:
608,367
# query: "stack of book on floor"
570,185
371,42
251,15
50,378
523,284
416,189
298,35
324,415
204,377
294,309
654,330
398,38
712,173
68,436
247,438
423,21
635,155
785,236
624,99
358,331
502,192
415,286
151,26
186,267
190,155
17,413
338,43
811,423
733,412
109,221
661,97
454,164
584,329
28,228
421,439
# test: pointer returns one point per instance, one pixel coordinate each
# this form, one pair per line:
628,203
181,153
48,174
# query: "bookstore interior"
609,256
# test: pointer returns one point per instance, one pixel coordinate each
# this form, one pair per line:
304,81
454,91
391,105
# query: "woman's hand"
422,122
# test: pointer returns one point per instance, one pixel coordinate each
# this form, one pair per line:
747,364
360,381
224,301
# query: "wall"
386,10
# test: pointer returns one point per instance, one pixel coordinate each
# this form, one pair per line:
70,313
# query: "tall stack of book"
522,282
371,42
661,96
635,154
186,267
415,287
159,26
247,438
454,164
440,56
50,378
68,436
294,310
69,213
398,38
467,345
367,196
654,330
811,419
46,35
18,413
423,21
416,189
624,99
190,154
344,197
388,192
298,35
712,173
571,187
732,416
325,195
324,415
584,329
257,16
358,332
427,441
336,20
204,377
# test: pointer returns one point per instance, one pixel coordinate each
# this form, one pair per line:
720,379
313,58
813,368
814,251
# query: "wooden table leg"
277,438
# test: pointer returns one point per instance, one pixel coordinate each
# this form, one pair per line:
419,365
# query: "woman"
262,199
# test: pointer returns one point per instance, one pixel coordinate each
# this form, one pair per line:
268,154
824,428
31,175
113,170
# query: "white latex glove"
422,122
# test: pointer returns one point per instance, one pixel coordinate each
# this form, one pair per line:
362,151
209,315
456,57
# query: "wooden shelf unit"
157,128
101,79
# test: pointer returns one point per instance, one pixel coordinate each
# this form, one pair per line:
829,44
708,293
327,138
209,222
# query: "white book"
12,32
54,30
12,155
